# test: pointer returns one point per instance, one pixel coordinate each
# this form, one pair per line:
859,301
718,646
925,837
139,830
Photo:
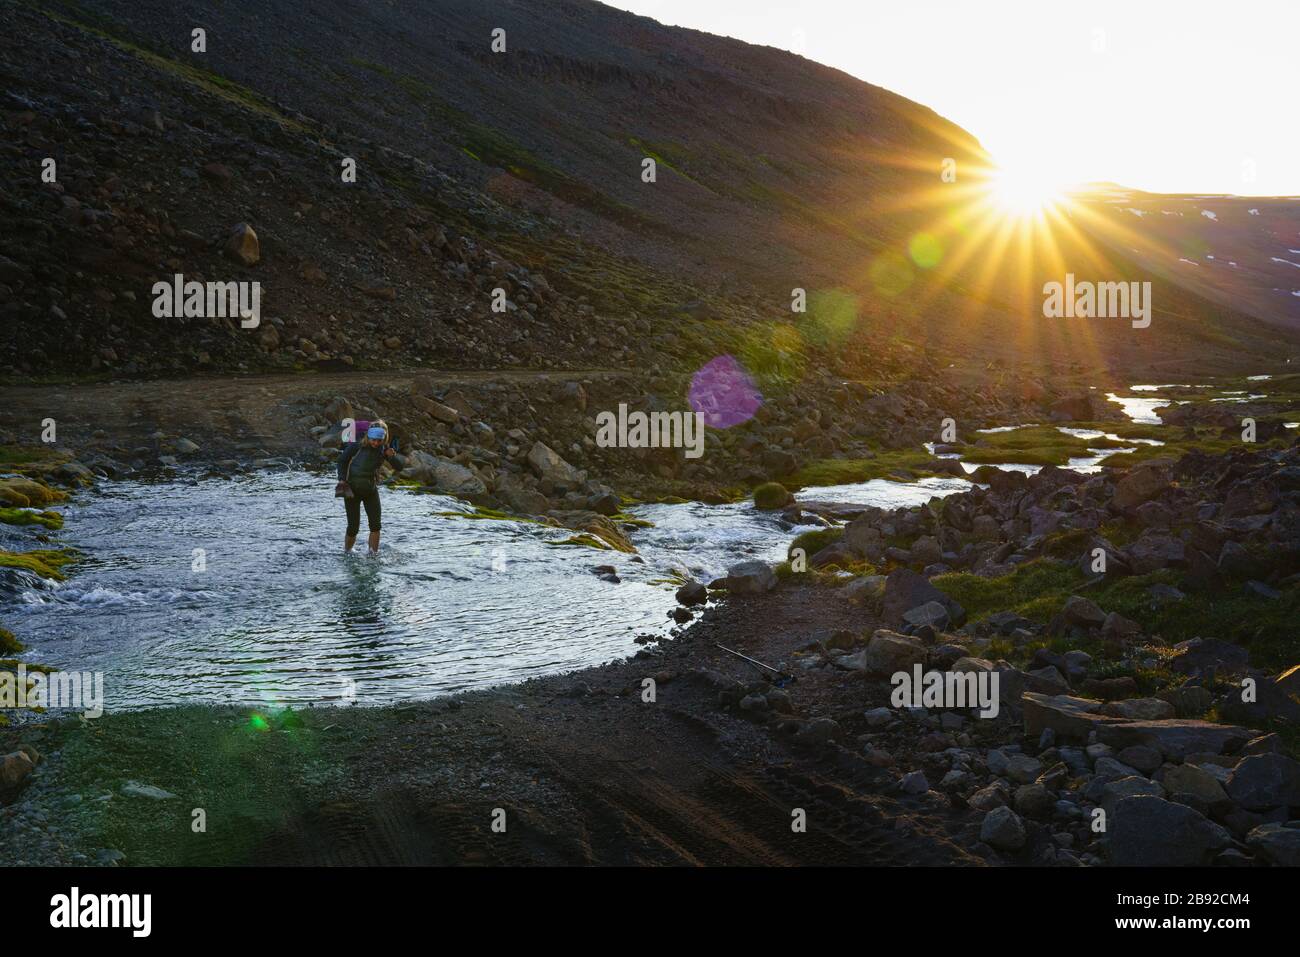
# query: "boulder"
750,578
14,769
548,465
1083,612
442,474
1146,709
1140,485
1068,717
1174,737
888,652
905,590
692,593
1193,780
1277,843
242,245
1198,655
1148,831
1003,829
1119,789
1263,781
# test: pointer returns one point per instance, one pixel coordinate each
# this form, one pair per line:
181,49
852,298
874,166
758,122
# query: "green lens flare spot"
926,251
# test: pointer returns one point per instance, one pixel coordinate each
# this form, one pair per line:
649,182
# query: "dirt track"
256,411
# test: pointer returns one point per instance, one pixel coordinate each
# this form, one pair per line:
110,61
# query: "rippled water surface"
280,615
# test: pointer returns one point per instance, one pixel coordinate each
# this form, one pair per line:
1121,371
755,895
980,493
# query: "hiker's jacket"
359,463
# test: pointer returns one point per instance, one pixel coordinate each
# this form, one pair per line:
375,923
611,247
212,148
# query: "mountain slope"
519,170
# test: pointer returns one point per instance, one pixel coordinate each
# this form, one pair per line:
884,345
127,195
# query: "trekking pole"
781,676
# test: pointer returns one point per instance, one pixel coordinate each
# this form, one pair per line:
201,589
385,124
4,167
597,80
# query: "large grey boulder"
547,464
1003,829
1277,843
1148,831
1175,737
750,578
1264,781
442,474
905,590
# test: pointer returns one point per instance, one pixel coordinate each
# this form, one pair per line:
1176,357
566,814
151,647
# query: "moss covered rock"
771,495
15,490
23,516
44,562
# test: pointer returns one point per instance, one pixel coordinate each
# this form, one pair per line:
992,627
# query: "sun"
1025,191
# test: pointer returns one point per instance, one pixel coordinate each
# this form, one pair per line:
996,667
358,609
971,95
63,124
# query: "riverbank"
1118,685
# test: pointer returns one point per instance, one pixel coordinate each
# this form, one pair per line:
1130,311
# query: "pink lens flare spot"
724,394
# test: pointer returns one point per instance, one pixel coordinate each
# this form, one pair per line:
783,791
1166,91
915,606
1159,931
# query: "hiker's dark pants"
353,507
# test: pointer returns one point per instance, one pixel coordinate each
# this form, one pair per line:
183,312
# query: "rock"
864,538
878,717
1034,801
185,447
1022,768
931,613
817,731
1277,843
1082,612
926,551
1174,737
1110,689
914,782
1070,717
521,499
1003,829
1148,831
692,593
865,589
905,590
1189,701
548,465
243,245
1198,655
442,474
1118,789
1139,485
443,413
750,578
1146,709
1190,779
1141,758
14,769
1046,681
606,503
1264,781
987,798
888,652
136,789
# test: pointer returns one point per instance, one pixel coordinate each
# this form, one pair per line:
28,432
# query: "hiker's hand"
389,453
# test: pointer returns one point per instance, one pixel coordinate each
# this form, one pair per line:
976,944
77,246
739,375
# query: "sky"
1194,96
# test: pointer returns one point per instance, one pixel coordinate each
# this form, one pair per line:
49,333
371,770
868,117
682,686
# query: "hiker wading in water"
358,484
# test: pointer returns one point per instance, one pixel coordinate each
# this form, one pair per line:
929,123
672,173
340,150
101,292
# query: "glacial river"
275,614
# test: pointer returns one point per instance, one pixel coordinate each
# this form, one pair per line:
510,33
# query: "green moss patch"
9,645
814,541
771,495
44,562
900,465
22,516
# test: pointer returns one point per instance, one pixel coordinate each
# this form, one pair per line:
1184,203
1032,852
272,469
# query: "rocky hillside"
519,170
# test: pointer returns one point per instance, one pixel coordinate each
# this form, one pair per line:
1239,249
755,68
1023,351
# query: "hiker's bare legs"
374,542
348,542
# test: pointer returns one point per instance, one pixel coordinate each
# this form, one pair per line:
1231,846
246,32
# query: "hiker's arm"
349,450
